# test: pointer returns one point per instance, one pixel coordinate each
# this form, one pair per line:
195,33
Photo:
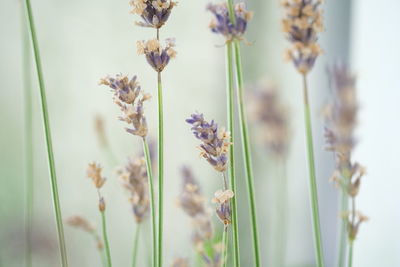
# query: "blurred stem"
105,237
343,206
350,260
247,154
99,241
135,245
152,200
26,71
225,241
312,182
160,169
52,169
230,111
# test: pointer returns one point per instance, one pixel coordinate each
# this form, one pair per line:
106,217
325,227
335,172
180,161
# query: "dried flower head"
221,23
354,220
157,56
130,98
223,209
134,180
272,118
81,223
215,142
154,13
94,173
180,262
302,24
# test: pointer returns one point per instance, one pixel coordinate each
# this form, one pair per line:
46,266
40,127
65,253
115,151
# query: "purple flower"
154,13
157,56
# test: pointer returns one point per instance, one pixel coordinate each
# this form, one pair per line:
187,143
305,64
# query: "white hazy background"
82,41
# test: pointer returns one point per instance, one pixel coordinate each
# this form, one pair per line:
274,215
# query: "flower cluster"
341,121
222,24
154,13
134,180
273,119
83,224
222,199
94,172
302,24
157,56
215,142
129,97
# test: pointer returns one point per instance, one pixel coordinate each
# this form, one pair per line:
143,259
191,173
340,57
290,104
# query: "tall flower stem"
160,169
26,69
225,242
232,180
313,182
135,245
343,206
152,200
52,169
247,154
105,237
350,259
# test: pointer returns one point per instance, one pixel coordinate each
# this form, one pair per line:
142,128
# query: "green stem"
350,260
135,245
247,154
26,64
52,169
152,200
343,206
230,111
105,237
160,169
225,241
98,241
313,182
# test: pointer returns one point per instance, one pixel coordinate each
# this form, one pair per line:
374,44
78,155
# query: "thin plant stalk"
105,237
313,182
225,242
152,201
135,245
26,69
232,180
350,259
160,169
50,154
343,205
247,154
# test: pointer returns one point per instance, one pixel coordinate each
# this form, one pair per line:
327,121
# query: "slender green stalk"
225,241
313,182
135,245
343,206
232,180
152,200
98,241
160,170
52,169
26,71
105,237
350,259
247,154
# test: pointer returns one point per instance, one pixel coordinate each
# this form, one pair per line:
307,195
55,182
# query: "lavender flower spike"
128,96
302,24
215,142
157,56
221,23
154,13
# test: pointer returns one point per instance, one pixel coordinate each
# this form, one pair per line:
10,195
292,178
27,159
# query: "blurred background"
82,41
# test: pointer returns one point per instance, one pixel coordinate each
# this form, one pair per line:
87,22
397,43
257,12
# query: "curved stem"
152,200
230,112
247,154
343,206
26,69
105,237
160,169
135,245
313,182
50,155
